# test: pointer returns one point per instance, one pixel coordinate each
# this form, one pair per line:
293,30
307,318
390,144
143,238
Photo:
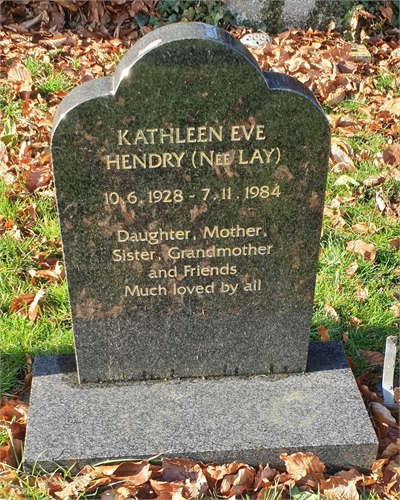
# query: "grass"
51,332
368,322
45,78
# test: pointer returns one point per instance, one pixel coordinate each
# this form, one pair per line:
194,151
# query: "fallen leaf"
332,313
395,309
352,269
237,484
344,180
395,244
342,485
374,180
364,227
21,301
305,468
354,321
391,155
361,294
359,247
380,202
33,308
382,419
393,106
323,334
264,477
373,357
392,450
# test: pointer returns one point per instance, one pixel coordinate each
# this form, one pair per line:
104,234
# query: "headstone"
190,191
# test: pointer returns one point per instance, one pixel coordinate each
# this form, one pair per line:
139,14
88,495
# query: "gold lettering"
179,158
241,161
110,162
190,132
201,134
178,140
122,138
157,158
246,134
218,135
164,135
256,156
142,162
234,133
209,160
268,154
167,160
152,131
260,132
140,137
125,162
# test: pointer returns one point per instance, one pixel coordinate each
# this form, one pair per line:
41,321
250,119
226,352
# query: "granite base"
252,420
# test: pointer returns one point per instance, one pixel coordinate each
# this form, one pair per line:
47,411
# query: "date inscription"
204,194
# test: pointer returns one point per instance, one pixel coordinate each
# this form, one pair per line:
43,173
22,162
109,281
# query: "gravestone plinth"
190,191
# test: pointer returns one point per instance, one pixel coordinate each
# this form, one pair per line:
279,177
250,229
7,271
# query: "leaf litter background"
334,69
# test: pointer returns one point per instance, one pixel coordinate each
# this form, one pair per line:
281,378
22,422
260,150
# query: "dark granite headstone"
190,193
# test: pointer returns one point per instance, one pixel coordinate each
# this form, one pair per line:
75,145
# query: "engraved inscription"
218,251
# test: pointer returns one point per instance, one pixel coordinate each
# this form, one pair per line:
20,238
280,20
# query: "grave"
190,190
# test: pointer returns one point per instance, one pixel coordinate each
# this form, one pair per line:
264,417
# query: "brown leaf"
167,490
264,477
323,334
342,485
395,309
341,156
237,484
373,357
21,75
352,269
354,321
188,471
305,468
359,247
368,394
364,227
332,313
392,450
137,473
33,308
395,244
214,472
361,294
382,419
387,11
374,180
38,176
391,155
21,301
393,106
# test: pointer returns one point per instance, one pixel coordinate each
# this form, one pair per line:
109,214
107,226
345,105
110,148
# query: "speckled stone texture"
190,190
251,419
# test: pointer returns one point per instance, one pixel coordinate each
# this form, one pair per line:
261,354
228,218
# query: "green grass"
51,332
45,78
370,321
10,105
386,82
